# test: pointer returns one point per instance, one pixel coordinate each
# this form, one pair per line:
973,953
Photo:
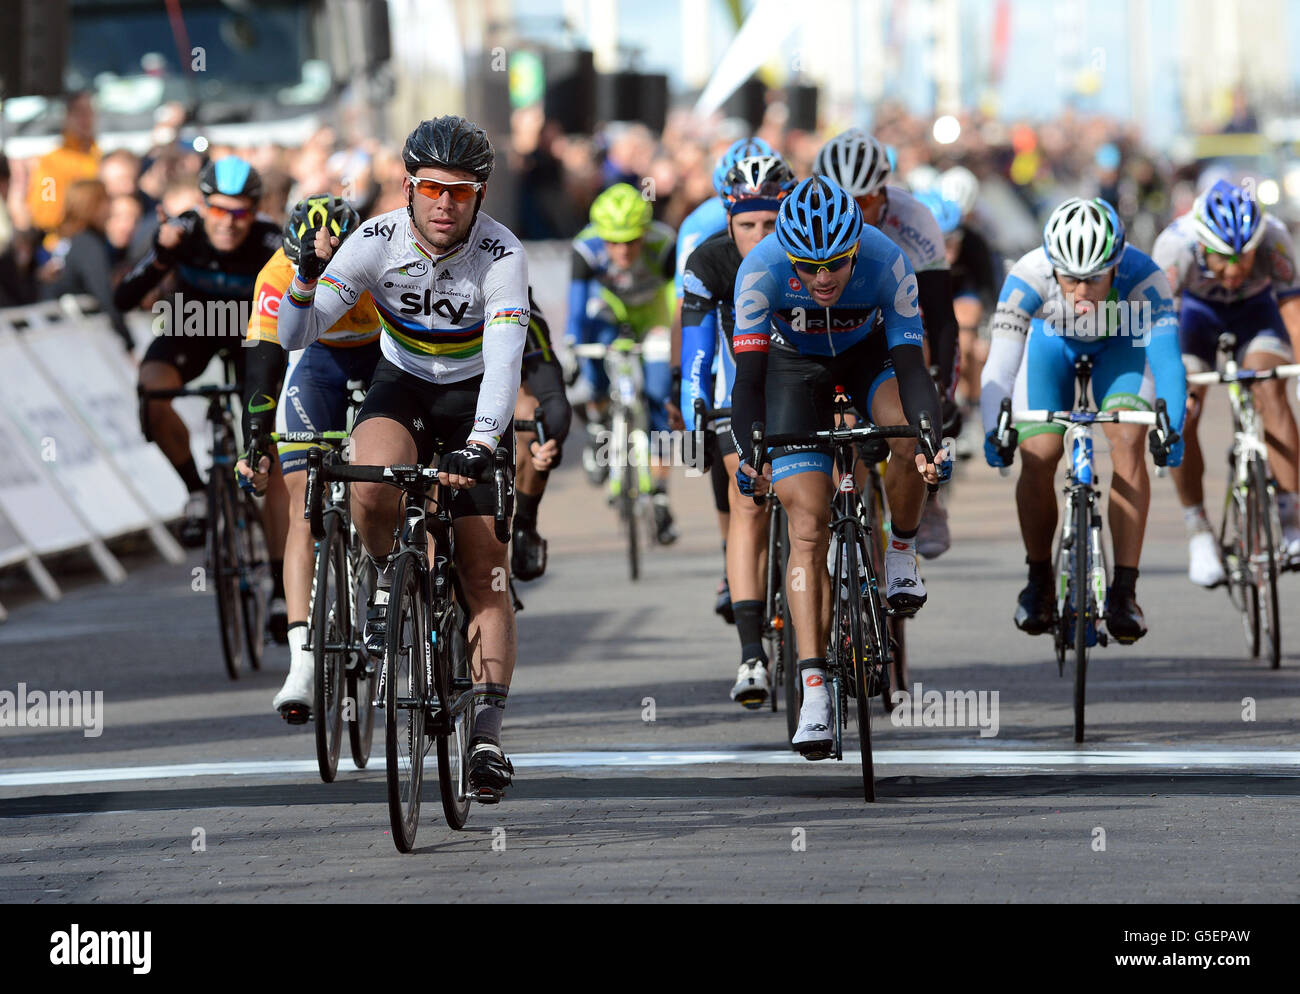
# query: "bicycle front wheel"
362,675
1085,612
331,636
1263,556
793,684
853,652
452,678
254,576
223,564
405,673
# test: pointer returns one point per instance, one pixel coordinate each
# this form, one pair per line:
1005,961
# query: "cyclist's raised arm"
699,341
309,309
156,263
1021,298
505,328
756,295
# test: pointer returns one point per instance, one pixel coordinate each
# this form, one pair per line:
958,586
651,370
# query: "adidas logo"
444,275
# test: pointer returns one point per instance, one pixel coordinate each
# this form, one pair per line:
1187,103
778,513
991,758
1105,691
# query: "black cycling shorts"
718,474
439,417
191,355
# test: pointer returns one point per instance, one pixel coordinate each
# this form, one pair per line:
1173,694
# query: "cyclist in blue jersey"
1083,292
823,302
753,192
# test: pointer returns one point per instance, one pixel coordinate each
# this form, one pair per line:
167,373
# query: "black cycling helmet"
324,211
451,142
232,177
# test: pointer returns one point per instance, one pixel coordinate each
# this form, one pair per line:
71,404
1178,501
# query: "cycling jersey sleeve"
144,276
307,312
699,345
264,367
1018,302
897,299
1175,256
934,289
505,328
756,296
1282,260
1163,353
577,327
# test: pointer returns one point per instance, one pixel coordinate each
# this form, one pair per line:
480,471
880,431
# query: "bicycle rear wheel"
774,629
854,657
1234,541
254,576
362,674
331,636
793,685
1264,560
406,668
452,679
1085,612
223,563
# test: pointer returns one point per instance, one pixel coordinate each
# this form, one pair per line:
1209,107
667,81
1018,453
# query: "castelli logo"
812,681
795,285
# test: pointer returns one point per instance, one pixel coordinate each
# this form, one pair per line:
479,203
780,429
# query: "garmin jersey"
359,326
638,285
774,309
700,225
708,320
444,318
912,227
1182,257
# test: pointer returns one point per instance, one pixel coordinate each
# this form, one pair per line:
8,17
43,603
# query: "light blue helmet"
947,213
818,220
1227,220
742,149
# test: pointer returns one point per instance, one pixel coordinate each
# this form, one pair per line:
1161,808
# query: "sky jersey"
1182,258
700,225
912,227
359,326
444,318
773,309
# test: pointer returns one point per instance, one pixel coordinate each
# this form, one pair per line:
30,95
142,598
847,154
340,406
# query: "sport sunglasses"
461,192
811,267
235,214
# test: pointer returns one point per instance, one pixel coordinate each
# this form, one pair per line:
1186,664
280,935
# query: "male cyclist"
1232,268
1102,298
860,164
623,280
752,191
315,400
216,254
451,288
826,301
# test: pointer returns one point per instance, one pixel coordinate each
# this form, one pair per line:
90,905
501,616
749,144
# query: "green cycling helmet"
621,214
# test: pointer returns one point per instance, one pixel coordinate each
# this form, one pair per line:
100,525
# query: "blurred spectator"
1243,120
17,251
124,217
82,261
276,187
76,158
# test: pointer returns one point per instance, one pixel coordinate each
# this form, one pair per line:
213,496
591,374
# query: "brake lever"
756,434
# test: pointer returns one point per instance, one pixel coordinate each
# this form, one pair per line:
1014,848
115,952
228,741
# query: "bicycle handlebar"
594,350
1244,375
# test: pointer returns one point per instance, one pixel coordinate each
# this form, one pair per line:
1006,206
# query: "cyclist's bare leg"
275,510
903,484
1130,491
806,499
746,541
481,566
1279,422
379,442
165,426
1188,476
1036,493
299,558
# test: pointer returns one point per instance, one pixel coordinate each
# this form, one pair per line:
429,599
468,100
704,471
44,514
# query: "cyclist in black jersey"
215,254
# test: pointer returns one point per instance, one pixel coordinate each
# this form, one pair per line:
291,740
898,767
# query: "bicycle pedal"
486,795
295,714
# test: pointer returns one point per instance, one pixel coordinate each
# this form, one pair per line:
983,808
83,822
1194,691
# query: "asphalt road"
1186,790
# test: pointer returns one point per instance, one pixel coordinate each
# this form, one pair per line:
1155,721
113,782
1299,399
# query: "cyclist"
860,164
315,400
1083,292
215,253
1233,268
450,285
623,280
701,224
752,191
827,301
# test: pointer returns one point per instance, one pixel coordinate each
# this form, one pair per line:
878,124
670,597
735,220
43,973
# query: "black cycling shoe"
665,533
1036,608
722,607
376,622
527,553
1124,619
490,773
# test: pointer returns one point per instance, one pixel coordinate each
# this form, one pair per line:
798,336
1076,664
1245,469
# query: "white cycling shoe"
295,698
752,685
933,538
903,588
1204,567
814,739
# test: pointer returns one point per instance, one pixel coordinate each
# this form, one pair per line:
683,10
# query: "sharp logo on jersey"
749,343
495,247
383,230
795,285
413,304
444,275
268,303
417,268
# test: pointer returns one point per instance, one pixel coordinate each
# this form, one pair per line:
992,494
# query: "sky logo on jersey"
411,304
383,230
495,247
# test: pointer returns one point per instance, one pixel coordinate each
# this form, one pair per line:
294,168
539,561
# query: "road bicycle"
425,688
1250,532
237,553
1081,565
859,653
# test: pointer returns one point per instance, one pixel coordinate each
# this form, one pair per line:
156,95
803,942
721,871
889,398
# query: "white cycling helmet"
959,185
921,178
1083,238
855,161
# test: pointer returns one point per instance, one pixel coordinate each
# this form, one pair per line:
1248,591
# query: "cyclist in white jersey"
450,286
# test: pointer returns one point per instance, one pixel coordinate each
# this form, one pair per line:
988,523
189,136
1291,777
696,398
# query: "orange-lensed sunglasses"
461,192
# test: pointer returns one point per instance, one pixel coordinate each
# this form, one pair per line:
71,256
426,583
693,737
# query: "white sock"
902,545
814,685
1195,520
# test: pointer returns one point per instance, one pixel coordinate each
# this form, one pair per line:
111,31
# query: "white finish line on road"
1273,761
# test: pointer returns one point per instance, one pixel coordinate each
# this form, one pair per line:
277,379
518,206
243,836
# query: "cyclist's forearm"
916,387
934,293
699,342
264,366
303,316
503,350
999,375
748,402
1166,361
577,326
1290,308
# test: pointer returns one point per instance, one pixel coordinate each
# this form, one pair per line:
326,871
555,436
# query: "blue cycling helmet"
232,177
1084,238
818,220
741,149
947,213
1227,220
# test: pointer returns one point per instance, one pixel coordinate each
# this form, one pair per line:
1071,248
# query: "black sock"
749,626
1126,578
1039,572
526,509
905,535
190,475
277,577
296,624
